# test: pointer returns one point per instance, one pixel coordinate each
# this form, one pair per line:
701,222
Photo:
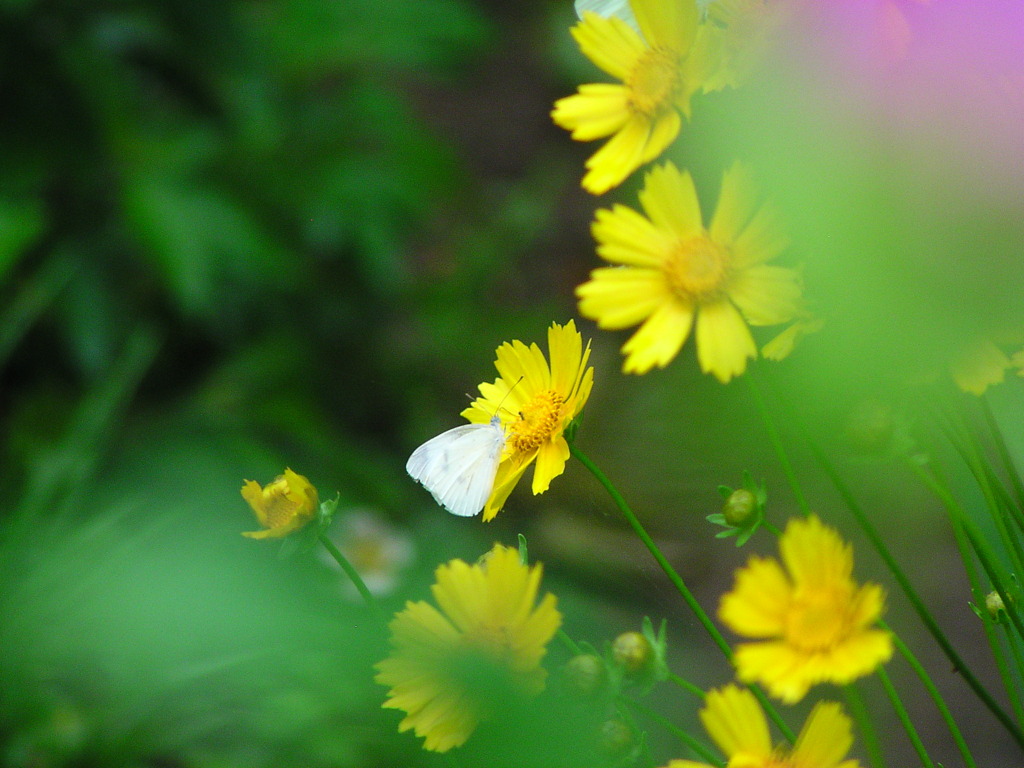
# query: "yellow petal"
735,205
669,199
596,111
723,341
659,339
825,738
622,154
663,132
551,458
757,605
626,237
767,295
736,723
610,43
621,297
762,239
670,25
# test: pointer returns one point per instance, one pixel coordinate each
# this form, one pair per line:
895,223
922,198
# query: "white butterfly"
458,466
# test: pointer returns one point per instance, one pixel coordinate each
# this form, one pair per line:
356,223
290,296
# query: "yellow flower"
535,404
979,366
488,622
814,622
285,505
674,271
737,724
659,68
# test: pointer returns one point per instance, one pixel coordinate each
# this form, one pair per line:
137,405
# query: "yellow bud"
740,505
584,675
632,652
994,604
284,505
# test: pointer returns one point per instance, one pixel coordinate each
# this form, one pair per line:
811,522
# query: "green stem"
350,571
926,680
676,580
953,508
568,642
868,734
776,441
698,747
1004,452
904,716
686,685
980,594
963,442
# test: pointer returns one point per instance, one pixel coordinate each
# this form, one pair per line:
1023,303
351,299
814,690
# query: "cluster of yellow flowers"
803,619
670,273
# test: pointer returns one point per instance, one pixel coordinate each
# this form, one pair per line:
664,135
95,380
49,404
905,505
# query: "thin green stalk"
904,716
776,441
926,680
961,528
981,549
1003,451
352,573
971,454
676,580
866,728
705,753
979,594
1013,642
568,642
988,563
686,685
959,665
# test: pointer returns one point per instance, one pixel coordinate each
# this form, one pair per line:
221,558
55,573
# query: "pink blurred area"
944,77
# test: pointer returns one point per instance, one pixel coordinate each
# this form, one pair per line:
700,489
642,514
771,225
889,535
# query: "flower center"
817,619
280,510
538,421
655,82
697,268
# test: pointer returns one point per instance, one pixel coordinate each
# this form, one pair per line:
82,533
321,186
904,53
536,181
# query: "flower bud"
740,505
284,505
584,675
616,738
632,652
994,604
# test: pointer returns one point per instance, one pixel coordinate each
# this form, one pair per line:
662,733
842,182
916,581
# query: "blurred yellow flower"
737,724
782,345
743,31
814,623
488,622
659,68
671,270
283,506
535,403
979,366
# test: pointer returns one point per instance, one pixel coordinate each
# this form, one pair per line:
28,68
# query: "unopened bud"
632,652
584,675
994,604
740,505
616,738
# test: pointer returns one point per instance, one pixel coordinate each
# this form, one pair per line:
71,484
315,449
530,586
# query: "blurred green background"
241,236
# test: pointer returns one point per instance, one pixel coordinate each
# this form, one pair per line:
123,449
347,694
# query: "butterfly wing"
458,466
